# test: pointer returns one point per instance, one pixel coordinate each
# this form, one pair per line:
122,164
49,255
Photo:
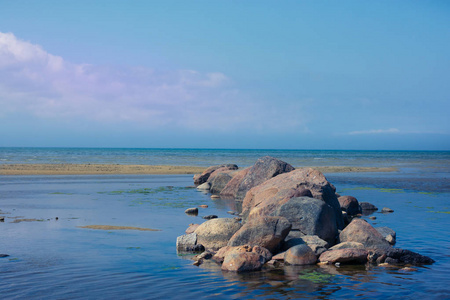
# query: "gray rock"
188,243
388,234
215,233
191,211
346,245
219,181
265,198
367,206
310,216
204,186
312,241
267,232
346,255
403,256
387,210
209,217
4,255
362,232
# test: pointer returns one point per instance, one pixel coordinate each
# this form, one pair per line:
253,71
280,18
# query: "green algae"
439,212
383,190
316,277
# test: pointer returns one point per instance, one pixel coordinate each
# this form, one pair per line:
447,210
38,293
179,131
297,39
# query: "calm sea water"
57,259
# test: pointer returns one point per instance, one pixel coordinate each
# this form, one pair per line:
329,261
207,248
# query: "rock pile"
290,216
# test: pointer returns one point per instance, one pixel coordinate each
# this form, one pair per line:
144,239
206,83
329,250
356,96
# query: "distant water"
418,170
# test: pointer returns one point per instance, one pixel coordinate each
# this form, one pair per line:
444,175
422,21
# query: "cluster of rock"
291,216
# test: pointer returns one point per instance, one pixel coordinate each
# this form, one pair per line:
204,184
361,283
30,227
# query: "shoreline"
116,169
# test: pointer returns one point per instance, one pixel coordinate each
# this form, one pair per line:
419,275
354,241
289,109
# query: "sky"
357,75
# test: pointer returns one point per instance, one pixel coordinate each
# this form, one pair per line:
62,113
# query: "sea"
50,255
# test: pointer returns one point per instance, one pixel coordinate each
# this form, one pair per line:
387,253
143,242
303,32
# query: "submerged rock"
366,206
191,211
245,258
387,210
300,255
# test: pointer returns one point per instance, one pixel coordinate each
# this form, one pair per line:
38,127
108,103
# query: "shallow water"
55,258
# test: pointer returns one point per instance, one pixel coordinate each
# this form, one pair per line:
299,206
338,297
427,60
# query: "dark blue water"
57,259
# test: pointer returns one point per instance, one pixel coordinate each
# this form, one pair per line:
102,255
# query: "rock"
2,219
202,178
348,255
389,234
387,210
346,245
4,255
312,241
191,211
231,189
265,198
279,256
192,228
203,206
219,181
367,206
189,243
267,232
245,258
204,255
209,217
350,205
362,232
215,197
408,269
204,186
300,255
373,218
215,234
265,168
403,256
310,216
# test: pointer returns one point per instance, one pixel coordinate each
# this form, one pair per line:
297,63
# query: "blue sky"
226,74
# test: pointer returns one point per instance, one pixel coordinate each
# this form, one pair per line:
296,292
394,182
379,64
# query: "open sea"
52,257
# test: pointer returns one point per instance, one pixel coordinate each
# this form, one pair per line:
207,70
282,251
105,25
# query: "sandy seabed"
97,169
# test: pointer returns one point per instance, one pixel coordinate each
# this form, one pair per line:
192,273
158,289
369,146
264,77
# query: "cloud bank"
46,86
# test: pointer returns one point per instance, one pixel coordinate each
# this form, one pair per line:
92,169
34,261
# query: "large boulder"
300,255
203,177
265,168
231,189
310,216
362,232
219,180
348,255
346,245
189,243
245,258
215,233
265,198
350,205
267,232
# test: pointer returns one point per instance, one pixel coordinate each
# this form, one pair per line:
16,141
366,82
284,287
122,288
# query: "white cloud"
36,83
375,131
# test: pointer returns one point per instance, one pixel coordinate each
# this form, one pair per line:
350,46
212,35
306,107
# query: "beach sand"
98,169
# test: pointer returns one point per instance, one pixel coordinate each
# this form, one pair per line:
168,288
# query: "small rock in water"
2,219
408,269
4,255
203,206
373,218
205,186
192,211
209,217
387,210
215,197
198,262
